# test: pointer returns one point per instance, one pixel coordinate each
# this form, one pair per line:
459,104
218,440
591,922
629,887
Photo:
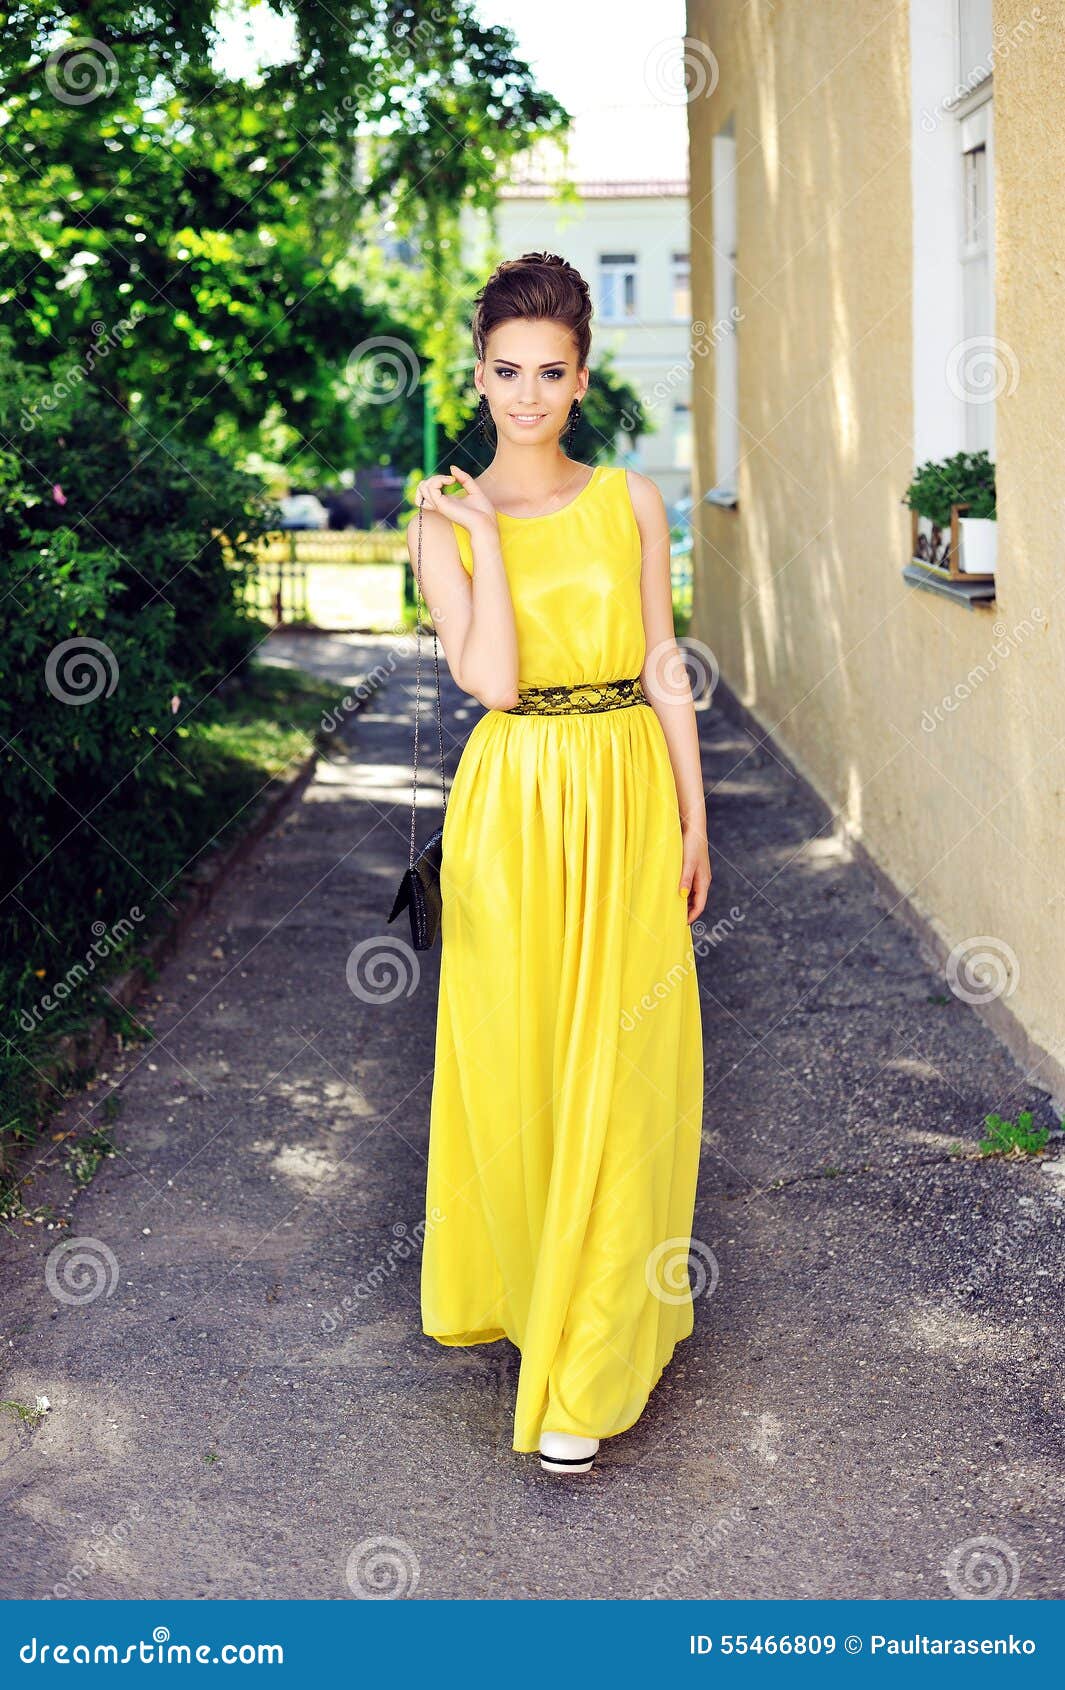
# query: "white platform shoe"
563,1452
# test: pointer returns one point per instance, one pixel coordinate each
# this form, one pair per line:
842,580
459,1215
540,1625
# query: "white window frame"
723,209
681,285
681,420
977,255
953,281
615,270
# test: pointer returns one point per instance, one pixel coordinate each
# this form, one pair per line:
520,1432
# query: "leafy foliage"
118,615
222,216
968,478
1013,1138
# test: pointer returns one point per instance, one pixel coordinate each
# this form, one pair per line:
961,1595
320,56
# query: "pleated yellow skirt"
566,1113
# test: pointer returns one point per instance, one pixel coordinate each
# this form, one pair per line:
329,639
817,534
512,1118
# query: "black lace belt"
583,698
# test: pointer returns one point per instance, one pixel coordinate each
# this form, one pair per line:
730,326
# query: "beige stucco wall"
799,591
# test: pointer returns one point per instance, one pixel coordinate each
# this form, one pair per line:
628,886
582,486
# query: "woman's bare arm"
664,679
473,616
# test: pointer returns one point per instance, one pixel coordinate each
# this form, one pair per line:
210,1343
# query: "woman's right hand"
469,512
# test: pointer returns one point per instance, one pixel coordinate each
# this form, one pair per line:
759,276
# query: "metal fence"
361,578
344,578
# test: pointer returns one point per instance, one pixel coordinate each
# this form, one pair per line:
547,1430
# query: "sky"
613,63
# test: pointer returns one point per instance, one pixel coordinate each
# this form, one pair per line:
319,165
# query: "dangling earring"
484,419
571,423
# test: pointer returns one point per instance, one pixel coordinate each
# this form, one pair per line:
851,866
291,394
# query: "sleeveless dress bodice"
574,578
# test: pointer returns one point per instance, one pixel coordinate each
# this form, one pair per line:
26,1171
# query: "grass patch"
266,726
22,1411
1013,1138
86,1154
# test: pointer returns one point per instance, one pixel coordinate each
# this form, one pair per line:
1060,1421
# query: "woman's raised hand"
475,508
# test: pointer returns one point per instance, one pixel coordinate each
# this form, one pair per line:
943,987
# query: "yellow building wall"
935,733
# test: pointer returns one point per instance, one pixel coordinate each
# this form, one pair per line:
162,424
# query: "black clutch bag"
419,890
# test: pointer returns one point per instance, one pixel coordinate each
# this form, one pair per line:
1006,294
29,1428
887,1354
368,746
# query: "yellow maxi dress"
565,1121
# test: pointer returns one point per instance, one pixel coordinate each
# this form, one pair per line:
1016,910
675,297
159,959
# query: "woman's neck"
530,477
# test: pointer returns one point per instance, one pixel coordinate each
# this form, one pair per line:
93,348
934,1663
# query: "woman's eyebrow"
552,363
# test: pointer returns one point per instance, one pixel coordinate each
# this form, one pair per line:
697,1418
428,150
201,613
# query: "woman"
567,1096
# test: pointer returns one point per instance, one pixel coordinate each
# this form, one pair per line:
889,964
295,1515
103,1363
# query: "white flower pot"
979,545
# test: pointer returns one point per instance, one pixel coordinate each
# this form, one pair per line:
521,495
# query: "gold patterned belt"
583,698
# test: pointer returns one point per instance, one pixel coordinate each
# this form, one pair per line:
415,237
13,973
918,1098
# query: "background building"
623,223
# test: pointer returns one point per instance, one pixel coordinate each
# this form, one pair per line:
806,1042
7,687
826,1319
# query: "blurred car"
375,500
303,510
346,508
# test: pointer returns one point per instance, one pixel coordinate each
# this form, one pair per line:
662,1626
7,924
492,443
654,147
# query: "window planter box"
965,551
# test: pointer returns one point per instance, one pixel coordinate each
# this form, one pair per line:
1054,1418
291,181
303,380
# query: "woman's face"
530,378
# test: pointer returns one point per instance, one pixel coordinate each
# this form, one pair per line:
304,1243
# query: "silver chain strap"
418,697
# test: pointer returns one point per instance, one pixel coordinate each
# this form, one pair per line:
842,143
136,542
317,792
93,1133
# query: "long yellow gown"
565,1122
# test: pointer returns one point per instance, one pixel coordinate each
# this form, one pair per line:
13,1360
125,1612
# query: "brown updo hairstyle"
536,285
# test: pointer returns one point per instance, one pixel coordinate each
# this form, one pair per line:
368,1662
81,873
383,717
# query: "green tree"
185,237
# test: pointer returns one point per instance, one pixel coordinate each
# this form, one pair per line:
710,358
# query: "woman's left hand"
696,873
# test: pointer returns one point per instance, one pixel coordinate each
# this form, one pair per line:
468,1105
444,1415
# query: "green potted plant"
953,505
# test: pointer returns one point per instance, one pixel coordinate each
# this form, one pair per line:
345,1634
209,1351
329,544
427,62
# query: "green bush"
968,478
118,618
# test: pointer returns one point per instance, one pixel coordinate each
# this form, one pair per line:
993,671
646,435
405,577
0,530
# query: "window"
682,435
978,299
617,286
726,355
682,286
959,366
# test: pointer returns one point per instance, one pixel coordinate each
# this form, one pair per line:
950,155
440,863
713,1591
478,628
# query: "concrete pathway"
243,1403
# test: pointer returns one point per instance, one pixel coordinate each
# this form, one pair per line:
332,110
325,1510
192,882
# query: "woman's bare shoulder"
643,491
647,501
